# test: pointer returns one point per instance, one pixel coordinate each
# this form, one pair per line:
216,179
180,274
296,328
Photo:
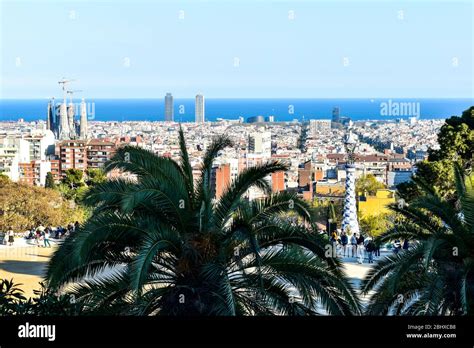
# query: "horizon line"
271,98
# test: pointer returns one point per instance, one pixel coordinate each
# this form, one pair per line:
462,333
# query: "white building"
41,145
9,162
260,143
317,126
16,149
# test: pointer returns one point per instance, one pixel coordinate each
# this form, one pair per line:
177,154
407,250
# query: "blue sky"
241,48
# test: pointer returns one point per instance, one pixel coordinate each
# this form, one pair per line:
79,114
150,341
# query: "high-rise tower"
169,109
83,121
336,115
199,109
349,222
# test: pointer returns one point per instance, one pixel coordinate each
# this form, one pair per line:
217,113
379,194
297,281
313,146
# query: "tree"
437,174
325,210
408,190
49,183
368,184
10,297
435,276
95,176
73,178
4,180
456,146
23,206
375,225
456,139
44,303
72,185
176,250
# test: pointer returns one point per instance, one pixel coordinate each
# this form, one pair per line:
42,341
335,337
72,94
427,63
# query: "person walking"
38,237
370,250
354,245
344,241
70,229
377,249
396,246
11,236
360,248
406,244
46,236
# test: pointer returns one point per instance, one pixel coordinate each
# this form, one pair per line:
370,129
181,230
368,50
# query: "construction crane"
72,92
63,82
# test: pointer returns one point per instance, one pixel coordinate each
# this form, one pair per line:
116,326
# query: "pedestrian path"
20,242
355,272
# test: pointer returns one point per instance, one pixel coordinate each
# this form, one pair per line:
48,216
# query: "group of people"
355,246
41,235
361,248
8,237
397,245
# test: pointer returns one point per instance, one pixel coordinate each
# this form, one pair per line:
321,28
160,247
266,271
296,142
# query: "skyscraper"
335,115
199,107
169,109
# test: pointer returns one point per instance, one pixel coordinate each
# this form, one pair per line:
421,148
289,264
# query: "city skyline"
285,50
237,158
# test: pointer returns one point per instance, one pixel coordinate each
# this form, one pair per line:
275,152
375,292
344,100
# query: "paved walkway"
356,272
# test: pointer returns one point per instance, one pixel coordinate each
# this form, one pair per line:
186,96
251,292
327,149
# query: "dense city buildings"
319,126
317,170
85,154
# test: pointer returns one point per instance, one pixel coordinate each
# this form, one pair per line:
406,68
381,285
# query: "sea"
282,110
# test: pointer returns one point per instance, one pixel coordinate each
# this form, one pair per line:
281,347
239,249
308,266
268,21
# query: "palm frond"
185,165
250,177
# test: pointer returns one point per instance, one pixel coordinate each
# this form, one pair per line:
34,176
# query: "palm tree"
436,275
160,244
11,297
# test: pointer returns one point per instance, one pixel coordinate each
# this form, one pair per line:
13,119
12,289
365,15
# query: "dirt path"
25,264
